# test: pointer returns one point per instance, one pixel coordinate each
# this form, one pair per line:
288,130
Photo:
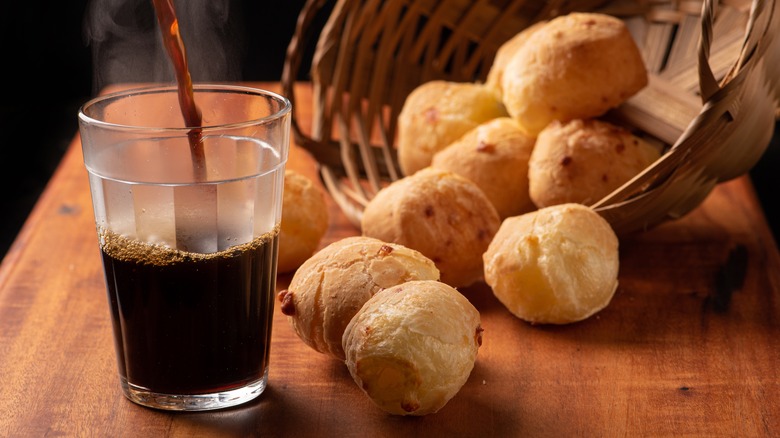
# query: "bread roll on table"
437,113
556,265
505,53
576,66
330,287
304,221
439,213
494,156
413,346
584,160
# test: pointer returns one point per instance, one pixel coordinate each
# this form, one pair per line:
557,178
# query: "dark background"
48,71
48,74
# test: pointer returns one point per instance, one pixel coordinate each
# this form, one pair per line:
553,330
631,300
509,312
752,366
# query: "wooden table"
690,345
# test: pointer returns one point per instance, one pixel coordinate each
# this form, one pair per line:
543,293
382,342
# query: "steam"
127,46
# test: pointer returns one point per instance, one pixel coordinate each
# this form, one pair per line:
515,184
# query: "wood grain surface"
689,346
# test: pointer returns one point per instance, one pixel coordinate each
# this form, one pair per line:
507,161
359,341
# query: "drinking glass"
188,222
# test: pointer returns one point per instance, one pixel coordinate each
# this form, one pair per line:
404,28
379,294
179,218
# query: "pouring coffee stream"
174,45
189,252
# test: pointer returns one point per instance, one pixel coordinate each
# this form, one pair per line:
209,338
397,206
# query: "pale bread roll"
437,113
439,213
584,160
304,221
329,288
557,265
412,347
505,53
494,155
576,66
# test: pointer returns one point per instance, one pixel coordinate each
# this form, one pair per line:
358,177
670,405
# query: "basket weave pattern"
711,101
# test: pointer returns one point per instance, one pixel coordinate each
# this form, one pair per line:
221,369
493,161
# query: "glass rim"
286,106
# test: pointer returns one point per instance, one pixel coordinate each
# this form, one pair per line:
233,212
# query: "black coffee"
187,323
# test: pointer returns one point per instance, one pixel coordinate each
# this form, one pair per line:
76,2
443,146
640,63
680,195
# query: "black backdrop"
47,66
48,73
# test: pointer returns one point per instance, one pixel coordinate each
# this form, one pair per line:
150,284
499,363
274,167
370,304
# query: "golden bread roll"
439,213
494,155
584,160
412,347
304,221
505,53
577,66
329,288
437,113
556,265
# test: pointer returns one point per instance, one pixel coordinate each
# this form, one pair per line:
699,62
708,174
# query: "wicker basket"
712,98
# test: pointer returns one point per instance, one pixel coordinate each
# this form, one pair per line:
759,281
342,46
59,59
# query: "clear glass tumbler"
188,223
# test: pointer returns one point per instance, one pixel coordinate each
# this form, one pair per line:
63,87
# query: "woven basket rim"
353,168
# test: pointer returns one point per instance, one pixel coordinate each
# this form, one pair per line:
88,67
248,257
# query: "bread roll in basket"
711,101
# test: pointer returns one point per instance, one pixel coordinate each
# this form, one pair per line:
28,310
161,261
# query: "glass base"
194,402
